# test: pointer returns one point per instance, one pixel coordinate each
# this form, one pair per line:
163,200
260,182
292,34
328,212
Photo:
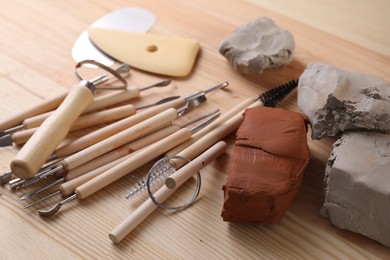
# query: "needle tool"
54,129
125,167
87,171
156,199
110,143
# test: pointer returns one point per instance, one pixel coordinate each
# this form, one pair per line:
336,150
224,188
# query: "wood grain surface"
36,63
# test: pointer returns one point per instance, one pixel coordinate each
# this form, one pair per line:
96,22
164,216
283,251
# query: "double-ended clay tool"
114,141
84,121
125,167
74,178
92,138
54,129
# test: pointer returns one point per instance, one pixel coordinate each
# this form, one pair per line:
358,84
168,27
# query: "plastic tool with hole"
165,55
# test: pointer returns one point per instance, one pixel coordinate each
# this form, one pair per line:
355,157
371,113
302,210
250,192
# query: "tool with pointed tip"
55,128
36,115
90,139
84,121
123,168
137,131
85,172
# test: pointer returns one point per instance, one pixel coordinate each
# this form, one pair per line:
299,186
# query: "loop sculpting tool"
55,128
132,221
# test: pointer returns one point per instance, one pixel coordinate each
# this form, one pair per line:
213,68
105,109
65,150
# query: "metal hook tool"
118,154
54,129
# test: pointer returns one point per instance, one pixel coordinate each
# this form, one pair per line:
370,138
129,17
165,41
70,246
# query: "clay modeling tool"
98,102
83,142
88,140
131,19
40,112
180,177
159,54
118,171
88,171
84,121
133,133
269,98
54,129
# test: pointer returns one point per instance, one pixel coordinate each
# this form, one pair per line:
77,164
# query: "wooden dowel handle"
138,159
85,121
105,132
121,151
43,107
104,116
50,134
100,102
21,137
148,126
195,137
136,217
212,137
70,186
112,98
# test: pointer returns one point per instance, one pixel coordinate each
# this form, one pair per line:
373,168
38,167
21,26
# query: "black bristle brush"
273,96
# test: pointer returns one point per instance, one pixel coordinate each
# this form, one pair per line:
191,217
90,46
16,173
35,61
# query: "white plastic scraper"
130,19
159,54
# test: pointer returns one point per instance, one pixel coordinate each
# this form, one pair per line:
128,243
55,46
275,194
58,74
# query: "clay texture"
357,178
337,100
258,45
267,165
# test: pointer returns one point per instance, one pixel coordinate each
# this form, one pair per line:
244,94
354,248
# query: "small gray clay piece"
335,100
357,181
258,45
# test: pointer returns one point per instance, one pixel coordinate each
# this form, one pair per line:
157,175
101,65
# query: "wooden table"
35,63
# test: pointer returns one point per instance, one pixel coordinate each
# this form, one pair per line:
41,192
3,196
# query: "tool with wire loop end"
156,200
54,129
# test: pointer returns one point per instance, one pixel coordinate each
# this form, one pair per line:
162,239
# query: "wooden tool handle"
70,186
90,170
212,137
138,159
98,103
134,219
88,120
45,106
145,127
104,116
112,98
220,120
50,134
105,132
21,137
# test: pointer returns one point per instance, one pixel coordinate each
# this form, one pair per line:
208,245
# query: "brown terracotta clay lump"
267,165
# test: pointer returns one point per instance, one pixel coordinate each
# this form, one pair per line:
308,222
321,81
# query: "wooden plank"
38,37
